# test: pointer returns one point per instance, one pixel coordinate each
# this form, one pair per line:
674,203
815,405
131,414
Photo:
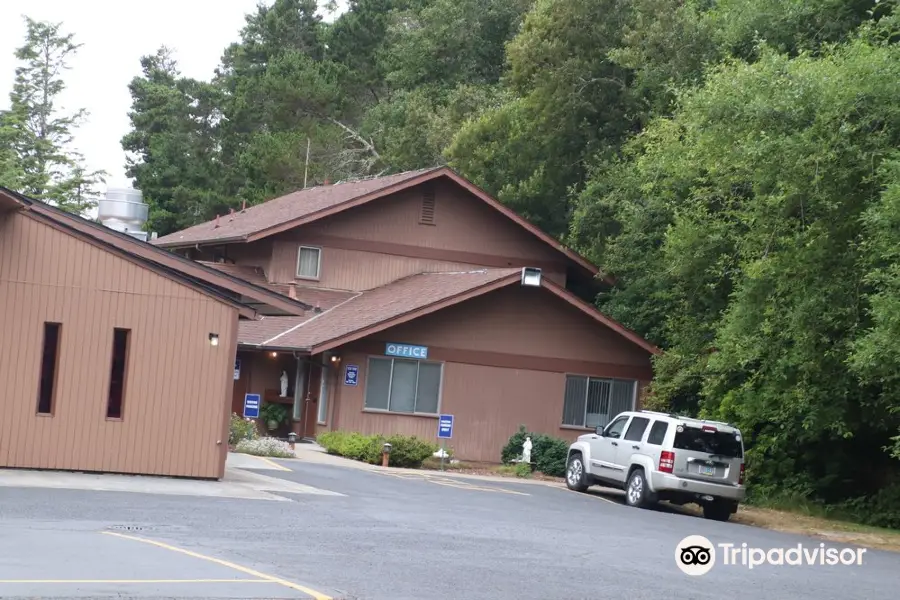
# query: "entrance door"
240,385
311,403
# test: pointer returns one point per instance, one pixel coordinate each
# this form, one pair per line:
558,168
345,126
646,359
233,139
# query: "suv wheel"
576,477
717,510
637,493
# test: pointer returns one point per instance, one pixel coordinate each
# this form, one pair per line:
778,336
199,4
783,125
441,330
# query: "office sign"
406,351
237,369
351,375
445,427
251,406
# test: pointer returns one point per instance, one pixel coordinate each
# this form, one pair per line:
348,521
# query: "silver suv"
656,456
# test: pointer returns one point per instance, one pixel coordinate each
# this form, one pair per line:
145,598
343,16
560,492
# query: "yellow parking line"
247,571
273,463
87,581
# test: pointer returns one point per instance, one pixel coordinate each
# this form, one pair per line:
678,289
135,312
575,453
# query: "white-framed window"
309,261
593,402
405,386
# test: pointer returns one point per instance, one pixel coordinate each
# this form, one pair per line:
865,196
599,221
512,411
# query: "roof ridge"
311,319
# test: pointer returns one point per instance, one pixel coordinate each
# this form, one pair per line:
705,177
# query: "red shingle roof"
280,210
315,297
373,307
255,333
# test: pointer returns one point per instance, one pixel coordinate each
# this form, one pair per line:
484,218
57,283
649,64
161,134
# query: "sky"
115,34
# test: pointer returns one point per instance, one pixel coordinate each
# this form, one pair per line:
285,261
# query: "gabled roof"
250,294
403,300
306,206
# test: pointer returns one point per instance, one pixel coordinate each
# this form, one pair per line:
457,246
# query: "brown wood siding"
531,340
383,241
526,321
178,386
359,270
461,222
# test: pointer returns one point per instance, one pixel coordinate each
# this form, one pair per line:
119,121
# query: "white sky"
115,34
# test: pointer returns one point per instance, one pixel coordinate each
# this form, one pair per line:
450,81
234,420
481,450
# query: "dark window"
49,358
590,402
658,433
428,202
398,385
636,429
117,374
615,428
720,443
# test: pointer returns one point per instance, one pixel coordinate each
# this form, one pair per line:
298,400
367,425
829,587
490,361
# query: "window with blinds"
309,260
405,386
592,402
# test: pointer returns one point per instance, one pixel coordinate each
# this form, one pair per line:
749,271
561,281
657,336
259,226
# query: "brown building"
428,297
115,356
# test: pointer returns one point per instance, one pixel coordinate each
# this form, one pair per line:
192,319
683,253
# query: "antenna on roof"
231,214
244,205
217,222
306,165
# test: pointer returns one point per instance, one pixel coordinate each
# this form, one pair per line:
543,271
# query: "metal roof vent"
123,209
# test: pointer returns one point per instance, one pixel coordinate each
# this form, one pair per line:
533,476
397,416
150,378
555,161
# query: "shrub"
523,470
406,450
241,429
266,446
548,453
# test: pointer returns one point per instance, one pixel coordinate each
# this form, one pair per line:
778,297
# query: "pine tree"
43,165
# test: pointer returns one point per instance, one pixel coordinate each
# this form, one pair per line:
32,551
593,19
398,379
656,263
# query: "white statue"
284,382
526,450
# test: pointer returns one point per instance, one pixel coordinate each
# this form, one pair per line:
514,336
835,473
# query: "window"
117,373
658,433
323,395
590,402
615,428
49,359
309,260
721,443
636,429
399,385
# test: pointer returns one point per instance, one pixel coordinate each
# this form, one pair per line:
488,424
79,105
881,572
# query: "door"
311,404
242,370
631,442
604,450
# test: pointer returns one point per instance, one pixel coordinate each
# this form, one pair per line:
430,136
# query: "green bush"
406,451
548,453
523,470
241,429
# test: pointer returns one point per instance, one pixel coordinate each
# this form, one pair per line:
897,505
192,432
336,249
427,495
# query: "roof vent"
123,209
427,215
531,277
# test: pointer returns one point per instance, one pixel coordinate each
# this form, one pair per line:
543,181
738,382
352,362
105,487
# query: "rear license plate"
705,470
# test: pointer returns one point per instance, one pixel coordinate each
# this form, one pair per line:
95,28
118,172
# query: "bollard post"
385,453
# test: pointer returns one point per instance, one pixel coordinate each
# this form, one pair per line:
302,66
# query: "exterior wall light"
214,339
335,358
531,276
274,355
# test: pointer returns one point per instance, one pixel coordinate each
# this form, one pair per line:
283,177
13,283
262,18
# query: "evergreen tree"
39,137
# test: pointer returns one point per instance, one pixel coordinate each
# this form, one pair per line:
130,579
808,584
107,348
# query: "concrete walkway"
316,454
239,482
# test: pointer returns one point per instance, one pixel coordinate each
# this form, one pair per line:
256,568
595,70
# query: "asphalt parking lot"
387,536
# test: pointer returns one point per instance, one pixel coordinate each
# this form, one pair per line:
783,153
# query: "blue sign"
251,406
445,426
351,375
406,351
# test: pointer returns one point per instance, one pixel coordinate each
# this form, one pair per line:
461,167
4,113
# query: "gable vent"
427,215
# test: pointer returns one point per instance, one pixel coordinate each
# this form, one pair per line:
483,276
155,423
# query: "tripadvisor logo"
696,555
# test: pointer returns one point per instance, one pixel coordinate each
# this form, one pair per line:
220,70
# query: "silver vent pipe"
123,209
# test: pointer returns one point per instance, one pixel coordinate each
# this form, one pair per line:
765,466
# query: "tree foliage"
733,165
36,157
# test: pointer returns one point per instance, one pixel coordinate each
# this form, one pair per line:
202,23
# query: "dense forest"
733,165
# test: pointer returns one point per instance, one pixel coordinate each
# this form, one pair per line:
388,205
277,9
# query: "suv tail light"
666,461
741,478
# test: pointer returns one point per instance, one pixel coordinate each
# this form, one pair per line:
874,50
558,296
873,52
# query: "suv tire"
637,493
717,510
576,475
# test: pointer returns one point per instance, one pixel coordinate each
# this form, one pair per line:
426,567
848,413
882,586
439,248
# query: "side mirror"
599,430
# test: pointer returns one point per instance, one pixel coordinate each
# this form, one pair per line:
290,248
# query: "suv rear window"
711,442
